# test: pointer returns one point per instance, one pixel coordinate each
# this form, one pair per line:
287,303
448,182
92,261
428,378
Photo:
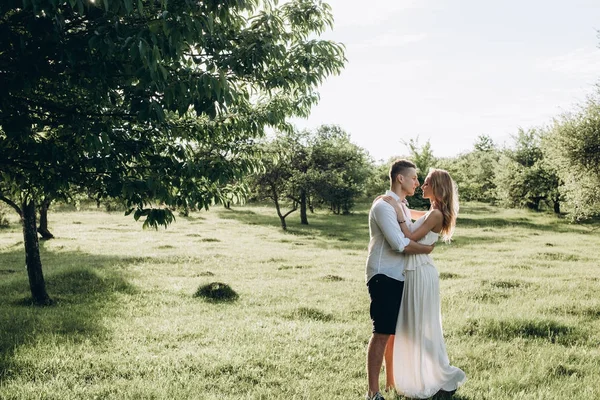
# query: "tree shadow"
478,208
460,241
250,217
345,231
352,231
548,330
85,292
557,226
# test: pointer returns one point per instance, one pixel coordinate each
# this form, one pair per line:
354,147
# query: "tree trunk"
557,207
43,229
282,217
303,216
32,255
283,224
276,201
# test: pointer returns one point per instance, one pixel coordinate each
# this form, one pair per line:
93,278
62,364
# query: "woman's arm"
432,221
414,214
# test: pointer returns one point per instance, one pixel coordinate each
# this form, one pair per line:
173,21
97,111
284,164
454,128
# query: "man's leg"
375,352
389,364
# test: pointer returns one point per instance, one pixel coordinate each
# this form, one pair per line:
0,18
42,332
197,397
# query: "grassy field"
519,290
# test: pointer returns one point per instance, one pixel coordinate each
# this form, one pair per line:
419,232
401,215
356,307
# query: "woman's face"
426,187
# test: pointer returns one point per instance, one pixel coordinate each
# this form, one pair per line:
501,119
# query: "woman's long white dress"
421,365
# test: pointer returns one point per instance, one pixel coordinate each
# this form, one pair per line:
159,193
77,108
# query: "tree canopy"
153,99
150,101
306,169
524,178
573,147
474,171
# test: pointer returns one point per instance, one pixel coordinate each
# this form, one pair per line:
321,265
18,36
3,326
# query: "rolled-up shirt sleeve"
385,215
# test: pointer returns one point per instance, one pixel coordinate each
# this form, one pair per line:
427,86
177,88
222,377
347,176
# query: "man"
385,265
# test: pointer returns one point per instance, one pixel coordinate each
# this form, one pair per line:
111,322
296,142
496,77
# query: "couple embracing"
403,285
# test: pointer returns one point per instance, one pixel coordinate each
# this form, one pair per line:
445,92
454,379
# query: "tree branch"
289,212
10,203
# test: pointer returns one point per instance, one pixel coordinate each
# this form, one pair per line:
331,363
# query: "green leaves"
154,102
324,165
154,217
572,147
128,6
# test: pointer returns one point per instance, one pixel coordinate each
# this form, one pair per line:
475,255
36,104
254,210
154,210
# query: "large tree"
474,171
524,178
284,159
339,169
309,168
573,147
152,101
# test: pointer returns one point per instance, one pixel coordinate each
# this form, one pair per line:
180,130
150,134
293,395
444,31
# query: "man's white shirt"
387,241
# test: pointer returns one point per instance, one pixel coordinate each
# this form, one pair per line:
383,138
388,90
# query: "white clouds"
392,39
582,62
438,70
356,13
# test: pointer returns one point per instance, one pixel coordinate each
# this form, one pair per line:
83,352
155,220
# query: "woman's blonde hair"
445,198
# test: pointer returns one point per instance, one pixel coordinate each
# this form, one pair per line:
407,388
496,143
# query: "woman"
422,365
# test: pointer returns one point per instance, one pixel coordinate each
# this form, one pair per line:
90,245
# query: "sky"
448,71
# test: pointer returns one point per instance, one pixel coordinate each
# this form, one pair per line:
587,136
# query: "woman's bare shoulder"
435,214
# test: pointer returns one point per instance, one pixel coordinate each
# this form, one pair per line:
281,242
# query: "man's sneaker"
376,396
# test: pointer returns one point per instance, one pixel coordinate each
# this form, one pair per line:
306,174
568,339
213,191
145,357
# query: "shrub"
217,292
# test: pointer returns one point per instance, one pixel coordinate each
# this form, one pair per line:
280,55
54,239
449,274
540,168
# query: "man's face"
409,181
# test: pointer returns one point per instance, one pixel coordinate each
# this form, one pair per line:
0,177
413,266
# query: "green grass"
132,319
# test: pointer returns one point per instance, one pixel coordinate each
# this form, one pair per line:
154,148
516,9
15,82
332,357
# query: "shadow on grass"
477,208
552,331
84,294
310,314
459,241
591,312
555,226
438,396
447,396
250,217
343,231
352,231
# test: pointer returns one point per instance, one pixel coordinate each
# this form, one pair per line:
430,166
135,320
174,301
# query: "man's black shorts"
386,295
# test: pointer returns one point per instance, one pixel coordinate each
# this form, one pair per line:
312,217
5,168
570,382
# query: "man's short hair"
399,167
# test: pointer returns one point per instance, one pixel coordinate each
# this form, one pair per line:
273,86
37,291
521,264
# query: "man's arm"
385,215
386,218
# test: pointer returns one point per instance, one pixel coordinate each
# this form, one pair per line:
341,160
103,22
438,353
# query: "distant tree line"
554,168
